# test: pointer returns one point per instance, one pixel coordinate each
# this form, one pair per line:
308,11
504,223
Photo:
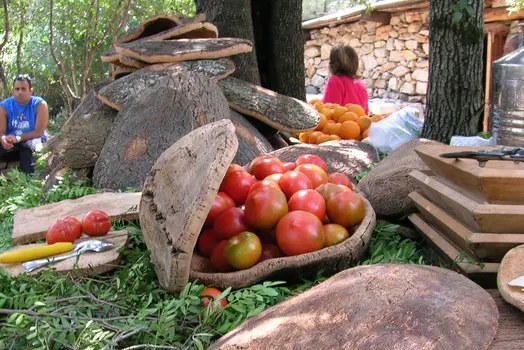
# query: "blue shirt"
20,119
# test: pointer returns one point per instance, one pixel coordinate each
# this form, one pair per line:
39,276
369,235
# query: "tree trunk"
4,90
456,98
233,19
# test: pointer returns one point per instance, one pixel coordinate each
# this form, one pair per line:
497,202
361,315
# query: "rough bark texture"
511,267
184,49
110,56
223,13
155,120
83,135
192,30
455,99
388,184
178,194
151,26
511,324
121,71
376,307
278,111
128,88
342,255
347,157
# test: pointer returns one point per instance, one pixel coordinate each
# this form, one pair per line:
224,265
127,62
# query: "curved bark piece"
191,30
398,307
124,90
131,62
278,111
184,49
152,122
151,26
175,202
110,56
121,71
511,267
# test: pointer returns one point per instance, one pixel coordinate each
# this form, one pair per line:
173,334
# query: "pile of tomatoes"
277,209
68,229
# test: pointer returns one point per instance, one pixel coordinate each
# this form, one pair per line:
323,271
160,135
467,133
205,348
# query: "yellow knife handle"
36,252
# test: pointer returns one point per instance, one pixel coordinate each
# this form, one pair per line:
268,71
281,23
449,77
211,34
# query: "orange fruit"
303,136
315,101
323,121
349,131
357,109
348,116
319,106
338,112
323,138
364,122
376,118
330,105
326,111
365,134
330,128
335,138
312,137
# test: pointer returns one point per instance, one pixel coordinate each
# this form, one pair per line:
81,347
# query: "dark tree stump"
184,49
152,122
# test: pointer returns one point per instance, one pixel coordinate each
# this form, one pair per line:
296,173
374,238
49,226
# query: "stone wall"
393,57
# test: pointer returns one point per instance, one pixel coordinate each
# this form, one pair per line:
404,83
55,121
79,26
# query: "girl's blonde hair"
343,60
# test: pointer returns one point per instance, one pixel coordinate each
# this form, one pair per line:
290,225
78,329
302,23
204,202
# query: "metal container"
507,101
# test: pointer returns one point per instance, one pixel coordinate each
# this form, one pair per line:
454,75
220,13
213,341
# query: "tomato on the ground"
76,225
60,231
213,293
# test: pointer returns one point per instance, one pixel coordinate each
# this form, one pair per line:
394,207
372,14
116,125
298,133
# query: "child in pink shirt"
343,86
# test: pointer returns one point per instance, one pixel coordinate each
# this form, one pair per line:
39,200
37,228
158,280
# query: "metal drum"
507,101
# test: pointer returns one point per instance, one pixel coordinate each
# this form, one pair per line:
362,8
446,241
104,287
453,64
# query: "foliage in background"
317,8
515,5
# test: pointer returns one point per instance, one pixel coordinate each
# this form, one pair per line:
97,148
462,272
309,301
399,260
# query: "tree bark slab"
184,49
178,194
31,225
191,30
511,267
151,26
376,307
152,122
278,111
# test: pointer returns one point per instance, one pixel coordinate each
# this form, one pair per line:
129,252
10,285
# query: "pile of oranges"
337,122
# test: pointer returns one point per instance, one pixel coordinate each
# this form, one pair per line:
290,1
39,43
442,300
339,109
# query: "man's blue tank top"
20,119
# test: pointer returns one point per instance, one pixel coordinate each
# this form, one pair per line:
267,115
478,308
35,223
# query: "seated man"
23,119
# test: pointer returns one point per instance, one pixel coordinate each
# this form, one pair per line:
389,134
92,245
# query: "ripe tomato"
310,201
288,166
346,208
339,179
266,167
219,204
207,241
218,260
60,231
314,173
300,232
263,183
274,177
335,234
311,159
76,225
214,293
230,202
243,250
236,185
258,159
264,207
294,181
270,251
233,168
328,190
230,222
96,223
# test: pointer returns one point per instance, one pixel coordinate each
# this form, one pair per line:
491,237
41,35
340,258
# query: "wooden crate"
487,246
498,182
477,216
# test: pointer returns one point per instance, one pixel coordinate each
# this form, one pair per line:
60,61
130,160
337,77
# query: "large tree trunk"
455,92
233,19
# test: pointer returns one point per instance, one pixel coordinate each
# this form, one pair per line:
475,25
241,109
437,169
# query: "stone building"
393,45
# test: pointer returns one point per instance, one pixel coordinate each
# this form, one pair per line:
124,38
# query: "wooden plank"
87,263
490,38
31,225
511,323
479,217
501,14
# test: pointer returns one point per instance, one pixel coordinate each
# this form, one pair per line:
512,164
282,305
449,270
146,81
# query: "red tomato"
230,202
218,260
294,181
263,183
233,168
217,207
335,234
346,208
339,179
214,293
310,201
274,177
264,207
75,225
60,231
96,223
243,250
258,159
270,251
328,190
207,241
300,232
314,173
266,167
229,223
236,185
311,159
288,166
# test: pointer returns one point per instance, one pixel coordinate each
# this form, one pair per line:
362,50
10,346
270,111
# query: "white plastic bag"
472,141
395,130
